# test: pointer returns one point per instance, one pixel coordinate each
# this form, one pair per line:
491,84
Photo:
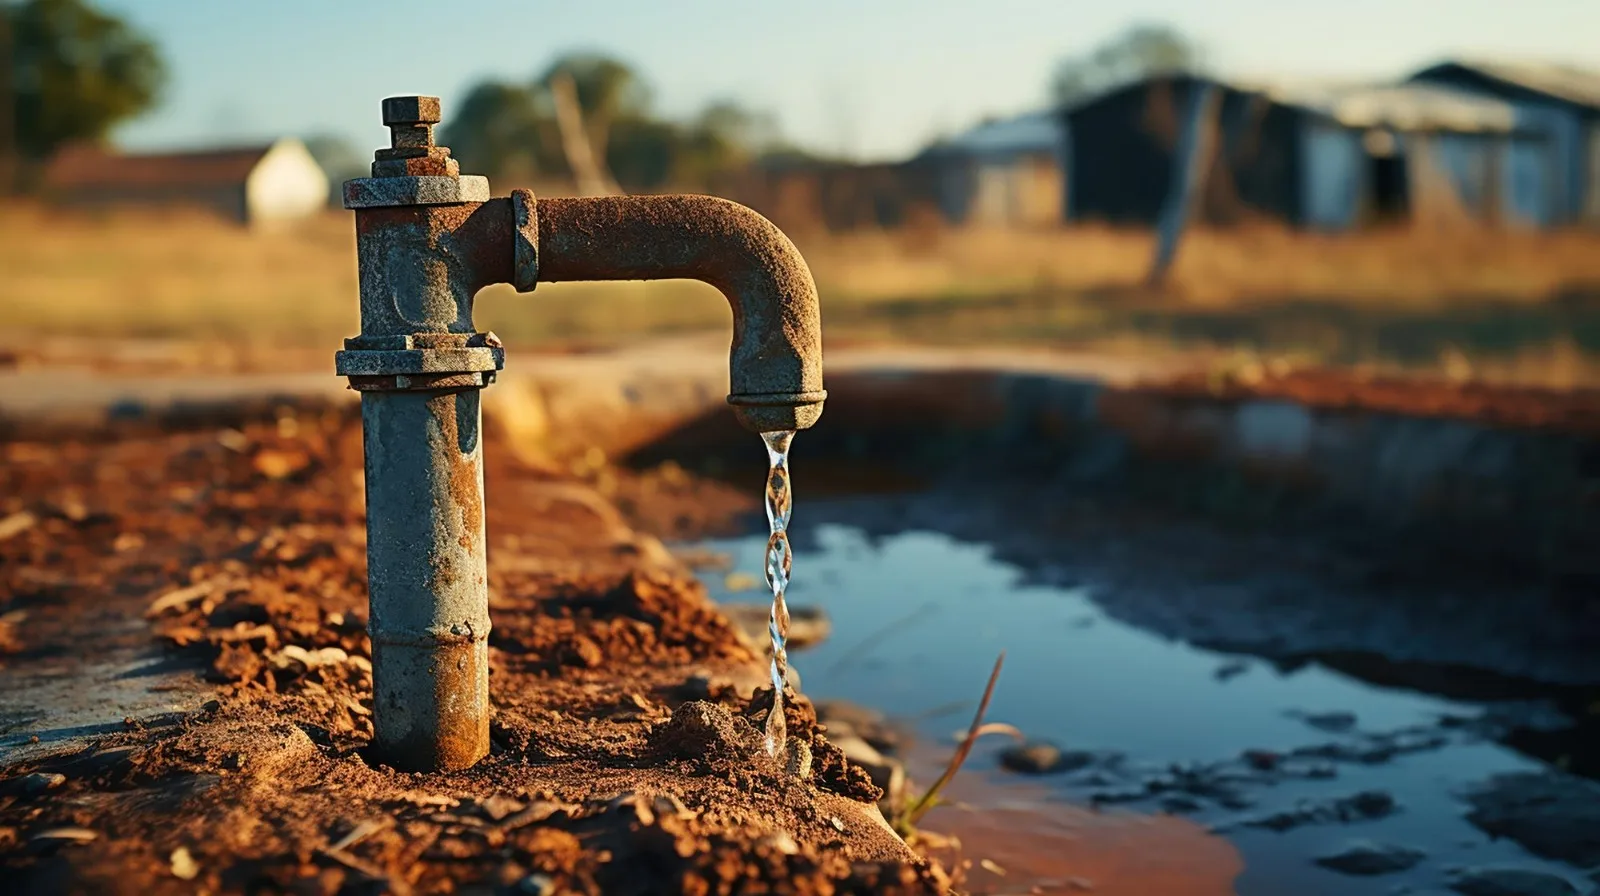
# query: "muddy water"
1270,759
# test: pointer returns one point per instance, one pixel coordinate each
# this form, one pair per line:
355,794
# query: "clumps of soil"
646,615
829,767
249,573
708,738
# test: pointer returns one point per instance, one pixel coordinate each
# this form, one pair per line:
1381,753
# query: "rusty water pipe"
428,239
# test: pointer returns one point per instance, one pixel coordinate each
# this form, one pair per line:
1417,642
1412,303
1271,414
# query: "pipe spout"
775,361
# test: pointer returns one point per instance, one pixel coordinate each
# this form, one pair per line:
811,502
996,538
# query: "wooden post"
588,170
1190,164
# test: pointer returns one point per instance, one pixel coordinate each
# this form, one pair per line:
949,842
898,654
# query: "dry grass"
1501,303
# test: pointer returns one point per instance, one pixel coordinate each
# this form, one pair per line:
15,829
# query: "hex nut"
411,110
381,192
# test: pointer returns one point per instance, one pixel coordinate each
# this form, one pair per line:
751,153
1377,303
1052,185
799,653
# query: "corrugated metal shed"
1561,81
1033,133
1400,107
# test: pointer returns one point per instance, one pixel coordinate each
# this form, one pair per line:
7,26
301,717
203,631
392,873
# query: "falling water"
779,502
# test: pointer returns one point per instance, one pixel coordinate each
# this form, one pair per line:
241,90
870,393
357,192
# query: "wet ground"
1332,772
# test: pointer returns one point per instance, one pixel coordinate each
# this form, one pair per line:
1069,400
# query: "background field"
1464,304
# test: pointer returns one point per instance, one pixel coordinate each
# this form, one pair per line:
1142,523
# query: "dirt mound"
241,552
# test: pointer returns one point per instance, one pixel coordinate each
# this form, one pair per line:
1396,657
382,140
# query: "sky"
870,79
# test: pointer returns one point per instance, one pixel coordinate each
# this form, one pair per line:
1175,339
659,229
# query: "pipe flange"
383,192
421,382
420,361
361,362
525,234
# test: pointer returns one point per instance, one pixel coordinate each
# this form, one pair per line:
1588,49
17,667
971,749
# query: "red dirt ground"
625,756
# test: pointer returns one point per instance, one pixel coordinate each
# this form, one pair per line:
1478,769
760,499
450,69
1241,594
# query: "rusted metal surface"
427,240
429,618
525,238
775,364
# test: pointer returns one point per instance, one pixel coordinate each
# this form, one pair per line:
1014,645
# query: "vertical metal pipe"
425,567
428,238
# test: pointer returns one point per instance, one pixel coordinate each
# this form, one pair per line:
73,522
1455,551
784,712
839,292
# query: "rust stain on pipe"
775,366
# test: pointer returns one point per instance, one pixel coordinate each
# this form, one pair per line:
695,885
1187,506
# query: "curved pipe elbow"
775,362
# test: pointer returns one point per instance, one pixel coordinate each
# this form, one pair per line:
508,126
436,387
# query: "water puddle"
1288,765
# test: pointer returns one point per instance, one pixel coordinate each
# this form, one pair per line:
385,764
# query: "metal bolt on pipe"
427,239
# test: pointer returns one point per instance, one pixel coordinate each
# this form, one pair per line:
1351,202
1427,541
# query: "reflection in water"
938,610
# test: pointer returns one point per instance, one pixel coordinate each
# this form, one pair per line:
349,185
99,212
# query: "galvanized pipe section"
426,571
775,363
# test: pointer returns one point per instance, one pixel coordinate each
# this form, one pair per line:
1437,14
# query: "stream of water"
779,559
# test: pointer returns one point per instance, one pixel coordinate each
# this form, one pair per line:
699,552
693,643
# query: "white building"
253,185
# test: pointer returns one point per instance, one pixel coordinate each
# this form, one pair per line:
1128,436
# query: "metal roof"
1035,132
92,167
1559,80
1402,107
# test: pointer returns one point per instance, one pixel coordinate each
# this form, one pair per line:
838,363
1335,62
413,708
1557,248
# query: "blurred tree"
339,160
608,90
498,130
643,153
1140,51
510,130
725,136
75,73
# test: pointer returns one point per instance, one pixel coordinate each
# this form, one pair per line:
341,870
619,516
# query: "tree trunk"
590,173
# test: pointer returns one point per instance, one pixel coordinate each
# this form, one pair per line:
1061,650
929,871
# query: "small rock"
16,524
1178,804
890,777
498,806
782,841
856,750
1033,758
537,885
184,867
668,806
1551,814
846,718
1510,882
797,758
1364,857
1366,804
39,782
275,464
1262,760
1231,669
1331,722
62,837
